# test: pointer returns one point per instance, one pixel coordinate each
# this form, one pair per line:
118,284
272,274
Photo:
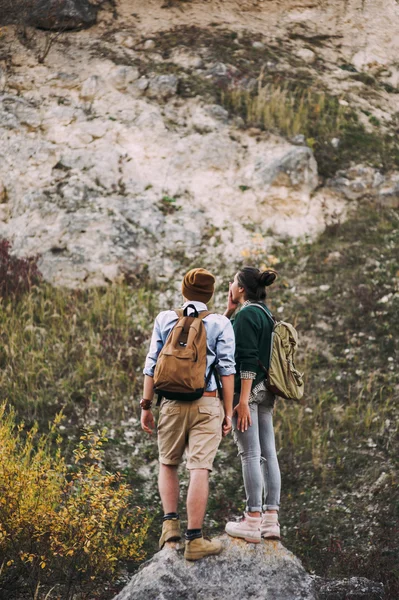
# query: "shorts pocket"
169,417
170,410
209,410
209,420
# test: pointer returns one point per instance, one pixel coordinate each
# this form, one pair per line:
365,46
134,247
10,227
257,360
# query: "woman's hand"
243,416
231,305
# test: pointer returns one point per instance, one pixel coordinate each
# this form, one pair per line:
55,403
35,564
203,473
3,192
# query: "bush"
17,275
59,523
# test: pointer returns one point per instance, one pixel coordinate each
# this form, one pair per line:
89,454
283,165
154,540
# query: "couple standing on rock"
236,351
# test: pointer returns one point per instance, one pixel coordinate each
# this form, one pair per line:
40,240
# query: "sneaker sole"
271,537
244,537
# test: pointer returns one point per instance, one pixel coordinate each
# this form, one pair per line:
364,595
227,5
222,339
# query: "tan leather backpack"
181,366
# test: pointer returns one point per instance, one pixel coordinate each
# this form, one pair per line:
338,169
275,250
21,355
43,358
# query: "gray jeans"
257,449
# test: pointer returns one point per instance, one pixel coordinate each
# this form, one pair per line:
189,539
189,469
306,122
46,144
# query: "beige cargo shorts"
191,427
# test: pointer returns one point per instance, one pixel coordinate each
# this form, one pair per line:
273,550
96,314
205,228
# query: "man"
192,426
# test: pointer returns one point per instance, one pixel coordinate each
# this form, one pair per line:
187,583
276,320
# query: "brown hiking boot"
202,547
170,532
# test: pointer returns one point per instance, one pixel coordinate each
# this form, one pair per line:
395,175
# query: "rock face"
242,571
108,182
114,157
62,14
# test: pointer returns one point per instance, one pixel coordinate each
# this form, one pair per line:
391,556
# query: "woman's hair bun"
268,277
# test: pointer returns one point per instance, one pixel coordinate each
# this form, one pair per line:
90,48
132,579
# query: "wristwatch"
145,404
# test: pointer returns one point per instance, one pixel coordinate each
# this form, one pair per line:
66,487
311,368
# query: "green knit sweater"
253,332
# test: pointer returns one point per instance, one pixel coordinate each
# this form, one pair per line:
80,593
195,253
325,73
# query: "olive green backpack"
282,378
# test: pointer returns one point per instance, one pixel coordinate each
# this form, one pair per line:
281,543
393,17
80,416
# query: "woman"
253,412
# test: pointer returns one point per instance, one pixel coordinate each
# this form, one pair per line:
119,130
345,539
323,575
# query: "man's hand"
147,421
226,426
243,416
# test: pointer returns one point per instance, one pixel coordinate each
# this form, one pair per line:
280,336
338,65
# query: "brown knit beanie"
198,284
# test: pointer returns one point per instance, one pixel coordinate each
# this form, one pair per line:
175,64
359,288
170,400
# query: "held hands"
226,426
147,421
243,416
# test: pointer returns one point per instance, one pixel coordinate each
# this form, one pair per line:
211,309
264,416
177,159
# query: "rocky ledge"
242,570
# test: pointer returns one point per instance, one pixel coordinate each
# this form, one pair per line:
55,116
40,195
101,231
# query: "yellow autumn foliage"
58,522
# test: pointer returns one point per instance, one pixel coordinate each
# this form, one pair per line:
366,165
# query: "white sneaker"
248,529
270,527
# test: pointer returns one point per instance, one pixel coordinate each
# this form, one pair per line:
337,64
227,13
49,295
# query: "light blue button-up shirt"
220,342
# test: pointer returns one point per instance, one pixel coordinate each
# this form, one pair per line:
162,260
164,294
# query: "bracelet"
229,418
145,404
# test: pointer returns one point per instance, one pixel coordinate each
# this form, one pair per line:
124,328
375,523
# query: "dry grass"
288,111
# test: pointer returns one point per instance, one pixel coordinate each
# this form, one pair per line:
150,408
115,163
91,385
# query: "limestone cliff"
117,153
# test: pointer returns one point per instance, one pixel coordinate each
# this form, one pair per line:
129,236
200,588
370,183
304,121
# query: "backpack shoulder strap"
267,313
203,314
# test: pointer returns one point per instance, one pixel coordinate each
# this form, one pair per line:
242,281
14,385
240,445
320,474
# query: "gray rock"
3,79
217,112
186,59
298,140
355,588
306,55
64,80
162,87
218,70
16,112
258,45
366,182
61,15
245,571
90,88
149,45
139,87
389,193
122,77
297,168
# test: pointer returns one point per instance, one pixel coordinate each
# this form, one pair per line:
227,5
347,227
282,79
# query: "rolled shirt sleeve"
155,348
225,350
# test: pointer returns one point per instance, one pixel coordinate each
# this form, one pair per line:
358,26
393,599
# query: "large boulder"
296,169
245,571
61,15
